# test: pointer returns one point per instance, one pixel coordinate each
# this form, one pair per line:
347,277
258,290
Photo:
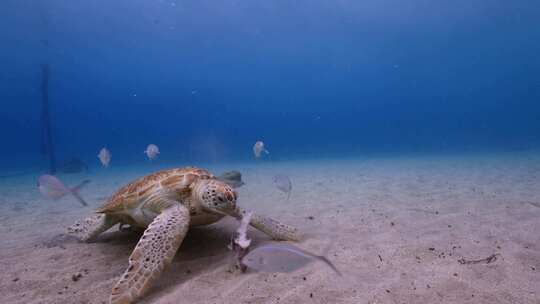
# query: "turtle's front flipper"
275,229
153,254
89,228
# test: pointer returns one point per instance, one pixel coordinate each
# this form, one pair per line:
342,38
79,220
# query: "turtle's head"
216,196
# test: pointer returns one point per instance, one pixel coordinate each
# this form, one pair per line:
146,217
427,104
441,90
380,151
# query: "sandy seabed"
396,227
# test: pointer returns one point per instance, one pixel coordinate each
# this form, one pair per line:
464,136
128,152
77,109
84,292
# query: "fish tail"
79,198
327,262
80,186
75,191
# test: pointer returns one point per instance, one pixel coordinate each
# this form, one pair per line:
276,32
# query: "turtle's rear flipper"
89,228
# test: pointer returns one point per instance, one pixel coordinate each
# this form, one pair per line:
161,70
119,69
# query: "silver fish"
232,178
258,149
283,183
52,187
276,257
105,157
152,151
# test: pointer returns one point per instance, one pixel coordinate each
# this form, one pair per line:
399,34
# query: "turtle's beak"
231,211
234,212
217,211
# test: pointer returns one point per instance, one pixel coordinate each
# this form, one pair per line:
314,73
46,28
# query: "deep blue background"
205,79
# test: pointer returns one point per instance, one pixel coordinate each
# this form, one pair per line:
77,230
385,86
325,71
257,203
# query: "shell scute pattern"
175,179
140,188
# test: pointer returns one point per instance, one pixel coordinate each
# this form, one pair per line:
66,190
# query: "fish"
152,151
105,157
74,165
283,183
279,257
232,178
258,149
52,187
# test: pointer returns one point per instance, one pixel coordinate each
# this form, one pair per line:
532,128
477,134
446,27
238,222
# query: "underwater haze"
205,79
327,151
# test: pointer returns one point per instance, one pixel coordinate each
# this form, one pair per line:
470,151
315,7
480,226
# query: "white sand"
380,217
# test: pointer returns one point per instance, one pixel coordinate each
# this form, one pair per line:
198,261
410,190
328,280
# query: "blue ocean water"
206,79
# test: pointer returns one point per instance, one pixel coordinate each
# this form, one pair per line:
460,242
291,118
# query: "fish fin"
330,264
321,258
79,186
288,195
266,151
75,192
79,198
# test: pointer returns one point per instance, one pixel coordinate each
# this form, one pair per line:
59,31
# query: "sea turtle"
166,203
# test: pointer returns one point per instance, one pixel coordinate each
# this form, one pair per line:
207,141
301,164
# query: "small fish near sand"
232,178
52,187
279,257
258,149
283,183
105,157
152,151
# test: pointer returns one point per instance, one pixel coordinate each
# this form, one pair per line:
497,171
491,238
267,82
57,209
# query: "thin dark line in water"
537,205
423,210
17,174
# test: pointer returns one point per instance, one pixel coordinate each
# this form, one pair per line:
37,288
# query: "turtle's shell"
178,180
